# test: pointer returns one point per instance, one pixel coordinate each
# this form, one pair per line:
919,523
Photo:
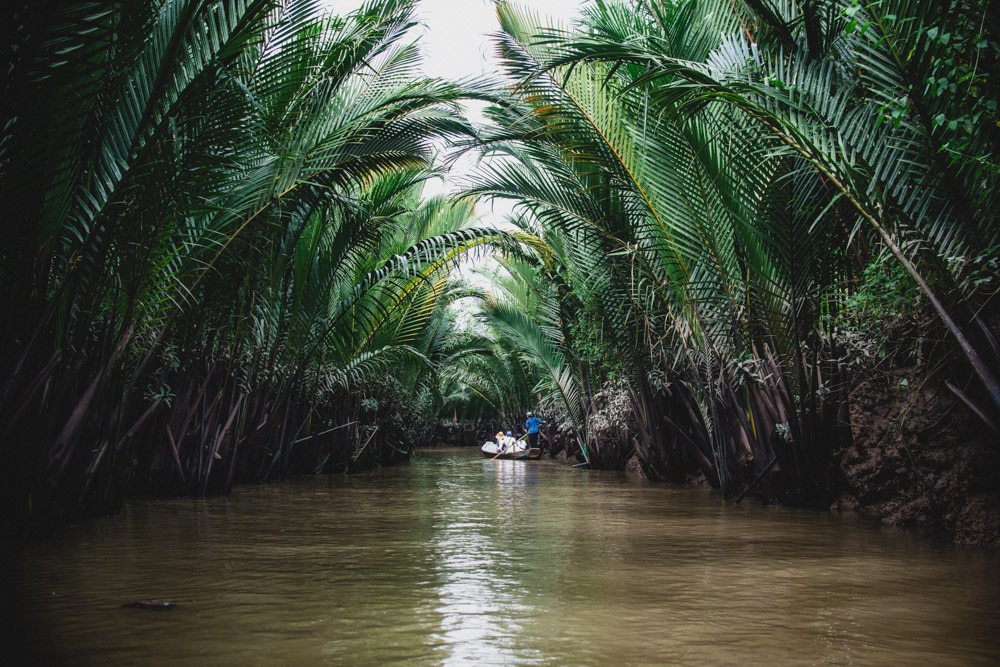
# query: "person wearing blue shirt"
531,425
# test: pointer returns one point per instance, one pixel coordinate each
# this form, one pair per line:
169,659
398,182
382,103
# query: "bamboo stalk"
218,442
176,455
138,424
357,454
60,454
757,479
317,435
29,394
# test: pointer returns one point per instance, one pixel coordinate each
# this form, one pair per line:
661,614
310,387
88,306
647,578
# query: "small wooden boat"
519,451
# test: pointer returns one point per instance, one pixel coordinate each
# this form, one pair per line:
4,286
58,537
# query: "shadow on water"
456,559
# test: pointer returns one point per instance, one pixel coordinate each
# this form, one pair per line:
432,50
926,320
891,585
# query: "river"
455,559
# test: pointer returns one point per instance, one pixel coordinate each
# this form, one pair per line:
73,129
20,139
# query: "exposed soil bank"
920,458
917,457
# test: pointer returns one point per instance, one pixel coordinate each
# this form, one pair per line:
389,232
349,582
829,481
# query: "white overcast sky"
456,43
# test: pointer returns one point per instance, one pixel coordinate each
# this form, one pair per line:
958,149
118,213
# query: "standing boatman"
531,425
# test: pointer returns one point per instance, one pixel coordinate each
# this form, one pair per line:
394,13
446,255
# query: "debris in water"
150,604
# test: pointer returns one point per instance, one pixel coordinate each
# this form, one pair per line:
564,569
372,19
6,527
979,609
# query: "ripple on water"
456,559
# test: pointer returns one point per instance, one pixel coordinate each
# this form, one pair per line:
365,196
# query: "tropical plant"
685,232
876,97
730,167
216,243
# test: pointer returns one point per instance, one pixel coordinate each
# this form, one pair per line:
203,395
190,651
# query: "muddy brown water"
455,559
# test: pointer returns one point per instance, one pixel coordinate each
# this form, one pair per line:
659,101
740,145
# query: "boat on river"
518,451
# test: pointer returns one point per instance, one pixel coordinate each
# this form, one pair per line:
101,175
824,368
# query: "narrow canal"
455,559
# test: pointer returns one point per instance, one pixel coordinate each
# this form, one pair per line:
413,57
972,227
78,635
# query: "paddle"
501,451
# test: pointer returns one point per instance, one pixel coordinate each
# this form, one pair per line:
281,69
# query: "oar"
499,452
513,447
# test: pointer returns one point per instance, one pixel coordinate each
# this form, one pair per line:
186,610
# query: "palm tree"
96,98
887,103
214,203
684,212
718,170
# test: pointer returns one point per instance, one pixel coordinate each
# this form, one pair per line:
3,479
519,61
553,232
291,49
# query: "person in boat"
505,441
531,425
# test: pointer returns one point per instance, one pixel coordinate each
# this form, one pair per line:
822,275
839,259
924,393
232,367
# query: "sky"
456,44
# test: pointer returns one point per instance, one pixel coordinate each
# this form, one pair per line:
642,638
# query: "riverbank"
919,458
457,559
916,458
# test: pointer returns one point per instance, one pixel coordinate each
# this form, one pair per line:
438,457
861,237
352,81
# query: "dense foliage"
218,265
215,246
741,199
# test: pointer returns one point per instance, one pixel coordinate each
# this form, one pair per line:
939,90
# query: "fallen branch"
756,479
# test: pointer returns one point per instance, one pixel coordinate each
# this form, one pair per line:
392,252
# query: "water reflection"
483,605
456,559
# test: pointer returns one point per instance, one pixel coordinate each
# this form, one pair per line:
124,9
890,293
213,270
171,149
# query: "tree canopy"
219,265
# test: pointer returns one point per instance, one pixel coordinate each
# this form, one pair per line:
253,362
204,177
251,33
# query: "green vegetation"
216,247
734,188
219,267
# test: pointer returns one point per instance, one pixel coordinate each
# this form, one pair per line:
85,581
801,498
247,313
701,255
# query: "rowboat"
519,451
